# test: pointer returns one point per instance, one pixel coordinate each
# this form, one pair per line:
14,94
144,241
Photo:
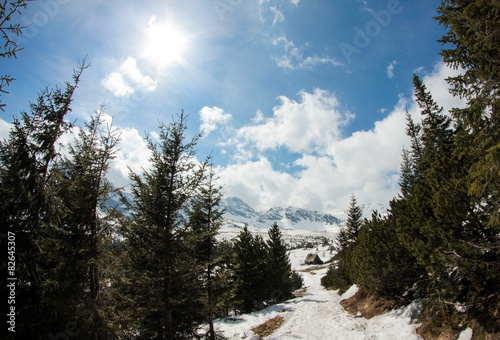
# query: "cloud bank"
330,166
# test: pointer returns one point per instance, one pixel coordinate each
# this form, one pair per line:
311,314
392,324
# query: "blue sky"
302,102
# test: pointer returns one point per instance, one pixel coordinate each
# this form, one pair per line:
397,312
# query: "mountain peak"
235,206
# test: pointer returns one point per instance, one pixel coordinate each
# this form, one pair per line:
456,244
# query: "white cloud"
133,153
4,129
317,60
278,15
366,159
129,68
115,83
257,183
294,58
365,163
211,117
295,2
309,125
259,117
390,69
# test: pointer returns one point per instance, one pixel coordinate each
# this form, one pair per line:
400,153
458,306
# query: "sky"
300,102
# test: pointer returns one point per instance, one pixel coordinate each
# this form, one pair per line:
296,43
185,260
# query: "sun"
165,44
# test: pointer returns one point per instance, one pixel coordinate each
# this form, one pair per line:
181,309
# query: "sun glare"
165,43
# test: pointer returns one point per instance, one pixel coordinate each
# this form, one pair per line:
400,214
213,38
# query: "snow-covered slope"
318,315
290,218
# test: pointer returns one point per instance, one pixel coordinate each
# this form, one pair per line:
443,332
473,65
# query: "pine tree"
354,220
205,217
436,127
407,175
27,206
261,283
438,221
378,262
79,243
338,276
414,132
472,44
349,233
278,266
250,271
155,243
225,278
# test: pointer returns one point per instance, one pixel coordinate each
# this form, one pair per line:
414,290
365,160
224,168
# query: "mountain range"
292,219
239,212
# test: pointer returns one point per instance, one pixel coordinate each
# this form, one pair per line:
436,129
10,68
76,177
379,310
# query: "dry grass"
443,322
368,305
444,334
268,327
299,293
311,269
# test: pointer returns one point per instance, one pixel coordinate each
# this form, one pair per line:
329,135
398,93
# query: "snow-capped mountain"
289,218
237,208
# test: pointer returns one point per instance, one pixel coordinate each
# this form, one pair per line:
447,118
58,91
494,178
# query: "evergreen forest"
440,240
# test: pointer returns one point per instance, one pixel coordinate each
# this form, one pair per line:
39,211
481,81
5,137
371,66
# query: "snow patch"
350,292
466,334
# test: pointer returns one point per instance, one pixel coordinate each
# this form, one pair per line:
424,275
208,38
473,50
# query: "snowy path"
318,315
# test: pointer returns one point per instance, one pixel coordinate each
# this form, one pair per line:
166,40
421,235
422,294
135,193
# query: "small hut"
313,259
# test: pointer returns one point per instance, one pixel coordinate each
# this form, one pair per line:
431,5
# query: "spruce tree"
413,130
378,262
349,232
354,220
278,266
155,242
407,175
438,221
261,283
225,278
338,276
250,271
436,127
78,244
28,208
471,44
205,217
